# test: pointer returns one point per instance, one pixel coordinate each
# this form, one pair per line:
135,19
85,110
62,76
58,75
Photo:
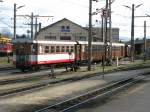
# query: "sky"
76,11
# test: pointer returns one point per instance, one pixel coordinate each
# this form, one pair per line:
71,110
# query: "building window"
80,38
62,27
50,37
65,28
68,27
65,38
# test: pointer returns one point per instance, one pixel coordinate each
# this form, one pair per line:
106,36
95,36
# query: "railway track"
16,77
102,93
7,68
20,78
131,67
23,89
48,90
36,86
14,68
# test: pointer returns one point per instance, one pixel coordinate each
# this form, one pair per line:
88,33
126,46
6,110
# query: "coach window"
86,48
98,47
46,49
52,49
57,48
67,49
72,49
33,48
116,48
94,47
63,49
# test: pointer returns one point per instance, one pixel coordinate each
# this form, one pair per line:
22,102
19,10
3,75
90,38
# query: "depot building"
66,30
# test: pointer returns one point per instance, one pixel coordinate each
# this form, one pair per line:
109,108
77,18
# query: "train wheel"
35,68
38,68
22,69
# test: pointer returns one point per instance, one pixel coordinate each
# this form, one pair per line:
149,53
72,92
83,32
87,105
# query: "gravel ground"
43,97
49,95
15,104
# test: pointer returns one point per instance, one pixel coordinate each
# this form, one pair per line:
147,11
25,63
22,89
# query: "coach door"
122,51
22,58
22,54
78,52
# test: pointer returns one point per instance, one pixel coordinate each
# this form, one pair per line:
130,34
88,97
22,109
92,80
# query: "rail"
67,105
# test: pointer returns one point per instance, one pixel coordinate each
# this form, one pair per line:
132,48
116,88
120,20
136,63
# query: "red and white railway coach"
33,53
30,53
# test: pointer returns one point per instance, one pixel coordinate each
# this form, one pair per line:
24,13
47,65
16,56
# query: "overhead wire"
77,3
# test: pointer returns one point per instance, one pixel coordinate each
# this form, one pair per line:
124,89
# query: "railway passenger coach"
32,54
5,49
5,45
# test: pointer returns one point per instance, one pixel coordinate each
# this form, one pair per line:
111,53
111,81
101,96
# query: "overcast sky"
76,11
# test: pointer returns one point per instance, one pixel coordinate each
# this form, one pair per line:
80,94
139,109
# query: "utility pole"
132,35
106,34
32,16
132,30
40,26
32,25
14,20
36,26
15,10
102,28
90,36
110,33
144,41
